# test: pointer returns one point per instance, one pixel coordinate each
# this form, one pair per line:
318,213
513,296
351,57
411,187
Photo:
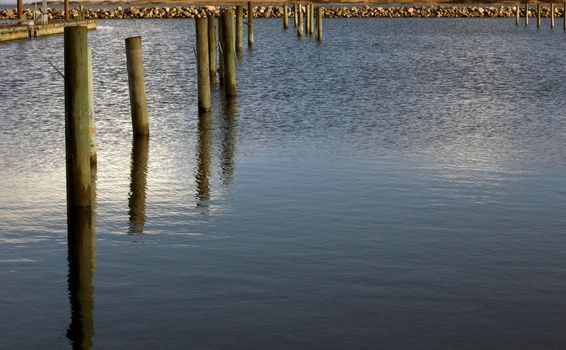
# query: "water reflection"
81,255
228,148
138,185
203,159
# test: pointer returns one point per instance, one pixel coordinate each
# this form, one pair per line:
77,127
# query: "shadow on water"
138,185
202,175
228,140
81,242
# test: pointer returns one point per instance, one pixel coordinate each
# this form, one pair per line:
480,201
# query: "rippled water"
401,185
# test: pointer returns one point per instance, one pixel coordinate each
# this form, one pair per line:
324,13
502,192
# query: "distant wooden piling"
285,17
138,104
66,7
552,16
319,13
212,44
91,124
220,51
250,25
203,68
526,13
308,19
20,7
311,30
229,53
239,28
295,15
300,28
539,10
518,14
77,143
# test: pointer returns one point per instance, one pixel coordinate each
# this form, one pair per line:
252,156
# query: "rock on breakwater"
277,12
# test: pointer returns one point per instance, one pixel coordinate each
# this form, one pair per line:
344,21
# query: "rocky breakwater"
277,12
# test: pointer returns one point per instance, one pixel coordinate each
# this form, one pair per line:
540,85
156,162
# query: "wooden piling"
77,143
250,25
564,16
220,54
319,14
538,15
138,104
295,15
66,7
20,7
300,28
285,17
518,14
212,44
239,28
203,68
91,123
526,13
311,29
229,53
307,19
552,16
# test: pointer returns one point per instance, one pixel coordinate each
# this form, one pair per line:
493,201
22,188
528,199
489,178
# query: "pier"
32,30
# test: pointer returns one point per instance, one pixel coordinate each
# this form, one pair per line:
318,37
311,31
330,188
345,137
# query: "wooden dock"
28,31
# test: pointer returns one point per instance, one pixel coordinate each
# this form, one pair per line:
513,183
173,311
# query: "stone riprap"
277,12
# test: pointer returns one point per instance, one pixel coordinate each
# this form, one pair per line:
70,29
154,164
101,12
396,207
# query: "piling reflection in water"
81,255
228,147
203,159
138,184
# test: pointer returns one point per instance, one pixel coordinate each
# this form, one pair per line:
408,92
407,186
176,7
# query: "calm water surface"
402,185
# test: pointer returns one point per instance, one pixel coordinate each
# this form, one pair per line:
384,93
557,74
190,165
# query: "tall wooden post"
229,53
518,14
300,28
538,15
552,16
312,19
526,13
212,44
91,124
77,141
203,68
138,104
295,15
67,17
239,28
319,14
285,17
308,18
250,25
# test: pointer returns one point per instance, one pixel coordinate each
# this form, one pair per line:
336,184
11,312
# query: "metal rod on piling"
91,124
138,104
239,28
203,69
538,14
552,16
285,17
229,53
250,25
212,44
77,143
526,13
319,14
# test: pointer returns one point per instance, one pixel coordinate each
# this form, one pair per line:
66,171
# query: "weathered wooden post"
239,28
138,104
138,184
526,13
552,16
220,52
77,141
250,25
212,44
312,19
91,124
203,69
307,19
295,15
285,17
319,14
229,53
538,15
300,29
20,7
517,14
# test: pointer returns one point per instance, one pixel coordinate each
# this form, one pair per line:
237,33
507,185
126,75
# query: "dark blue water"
401,185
